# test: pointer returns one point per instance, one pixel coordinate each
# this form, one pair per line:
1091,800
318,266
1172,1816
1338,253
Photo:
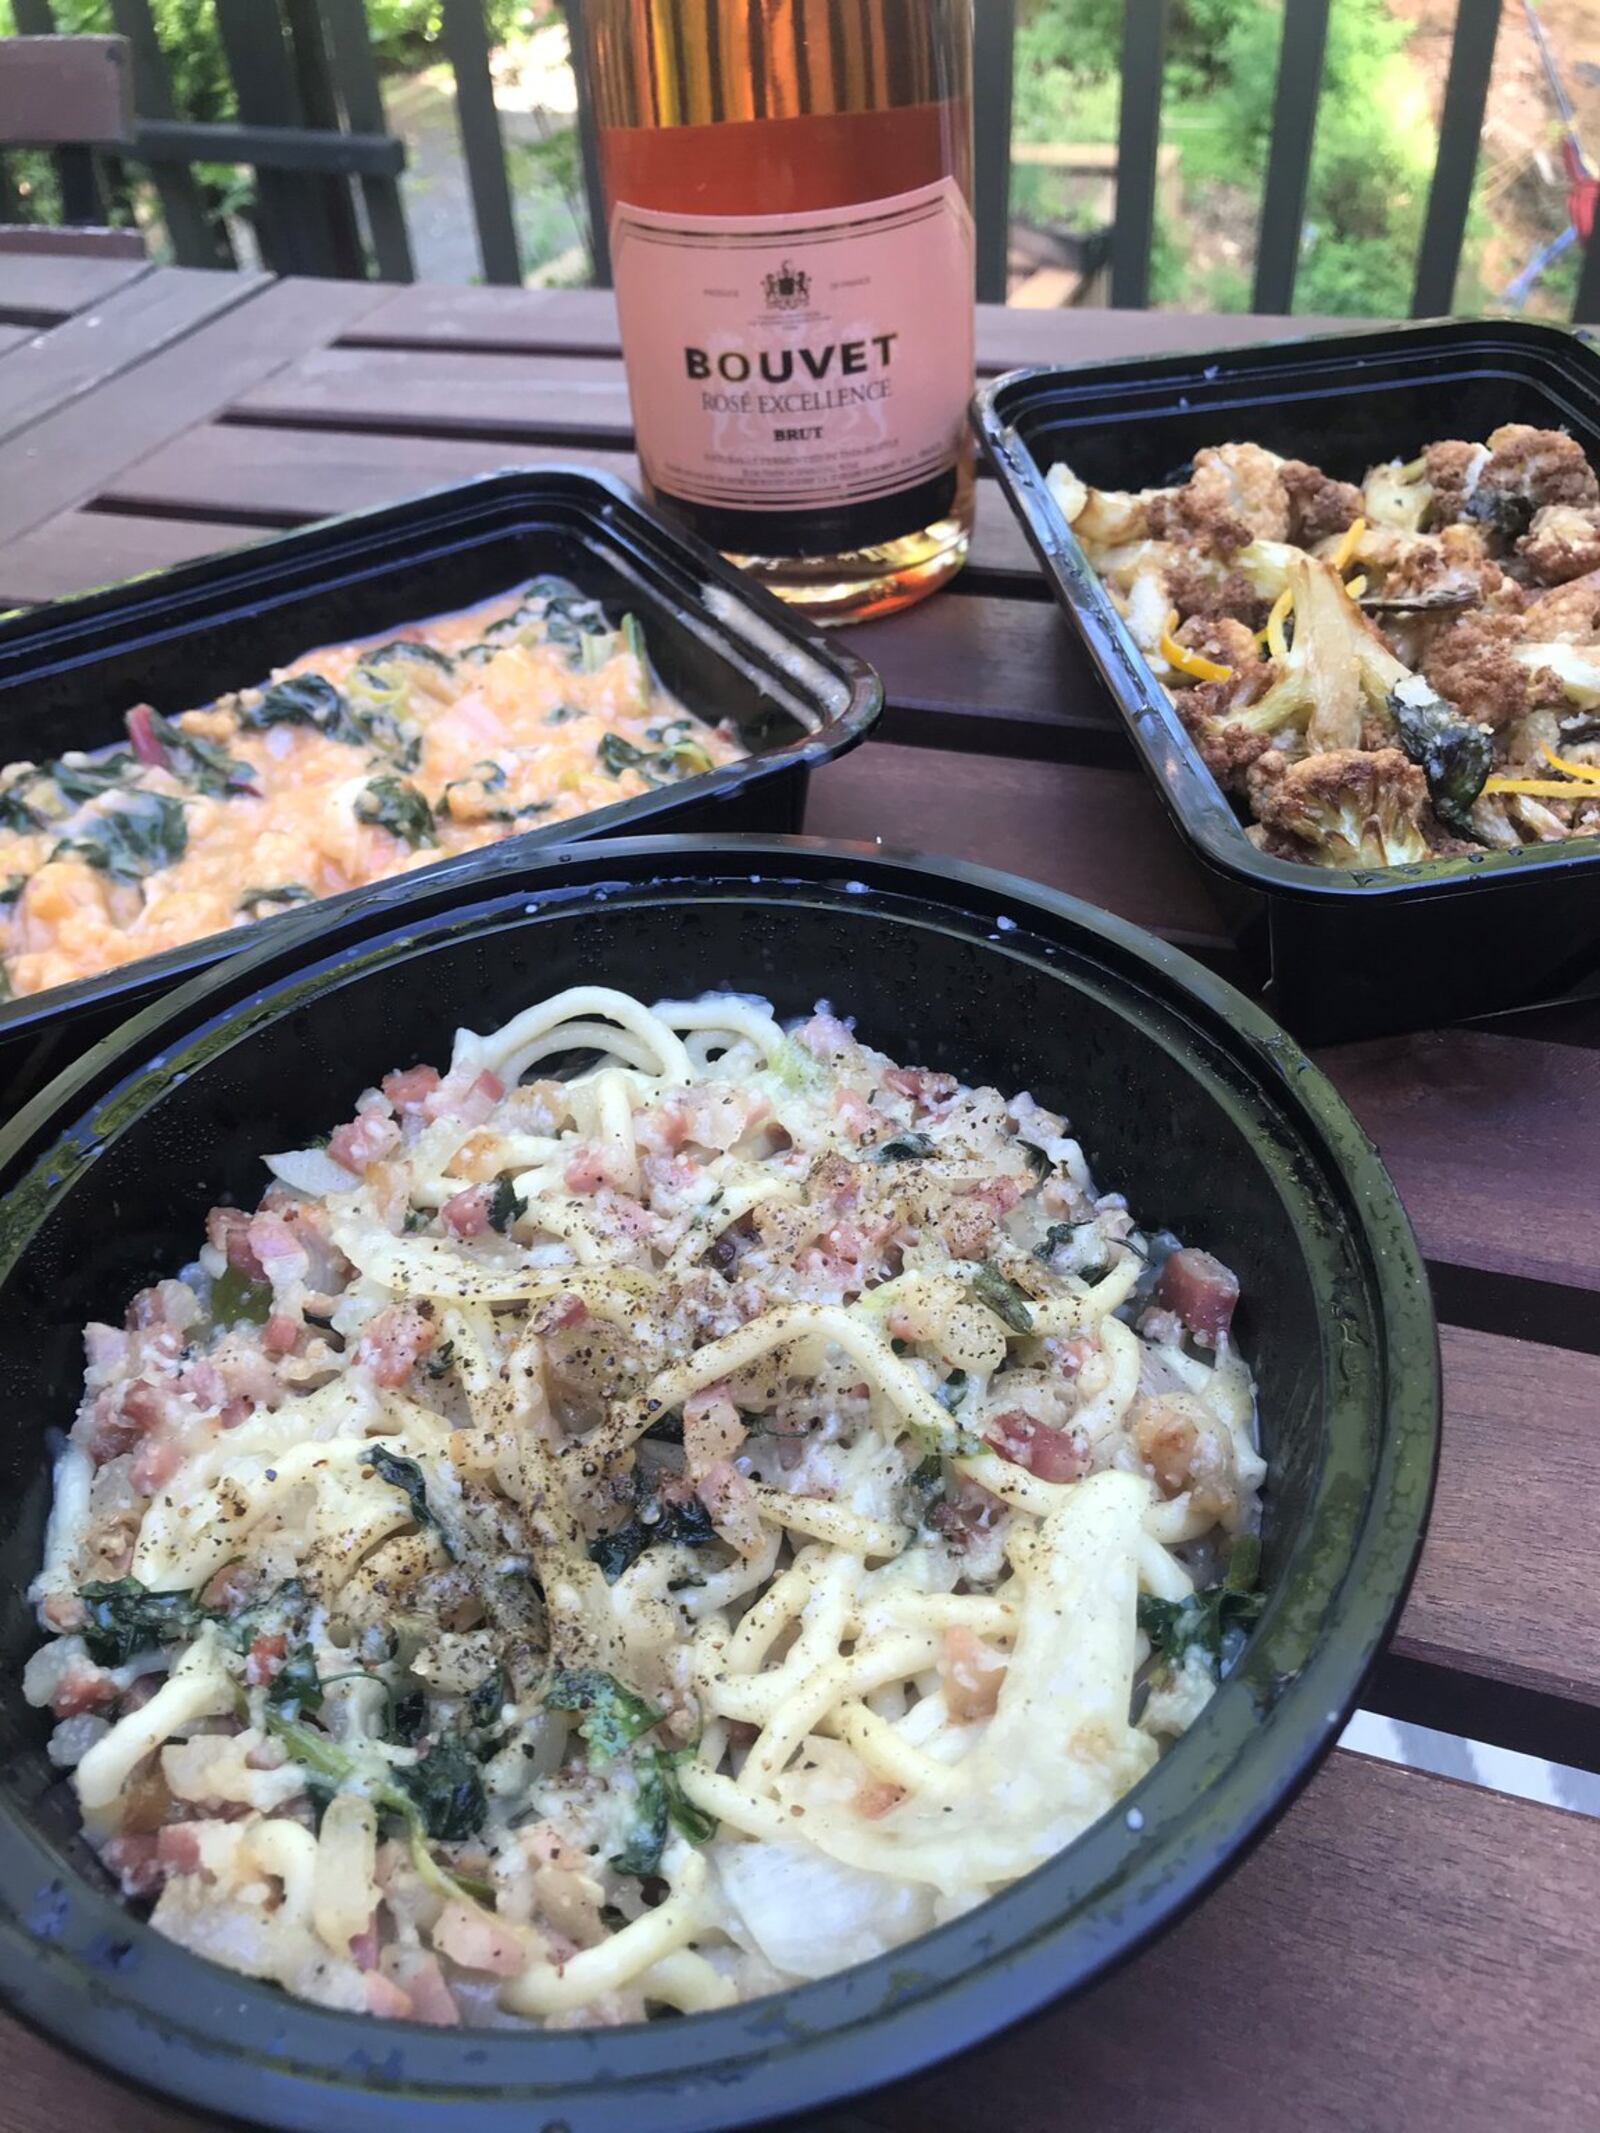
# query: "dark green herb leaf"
1009,1304
659,1525
1455,754
1038,1162
953,1391
234,1296
486,1702
904,1148
438,1360
564,714
390,803
144,831
447,1787
403,1474
667,1428
929,1474
15,813
614,1716
662,1803
408,1718
1058,1234
1212,1623
126,1618
415,1218
296,1686
505,1205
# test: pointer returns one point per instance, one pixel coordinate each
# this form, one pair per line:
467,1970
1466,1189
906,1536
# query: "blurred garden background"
1375,145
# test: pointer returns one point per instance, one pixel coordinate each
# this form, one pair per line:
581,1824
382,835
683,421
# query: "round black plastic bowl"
1186,1098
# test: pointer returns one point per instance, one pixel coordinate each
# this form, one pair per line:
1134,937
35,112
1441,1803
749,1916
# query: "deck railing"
311,125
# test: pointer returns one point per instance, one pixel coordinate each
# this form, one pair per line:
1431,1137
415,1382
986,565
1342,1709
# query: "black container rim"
72,1960
1192,795
743,609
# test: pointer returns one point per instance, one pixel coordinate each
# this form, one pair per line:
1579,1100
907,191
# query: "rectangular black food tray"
179,638
1342,953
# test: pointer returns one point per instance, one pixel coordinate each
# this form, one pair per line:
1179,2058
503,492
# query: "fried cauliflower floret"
1452,469
1563,543
1214,715
1101,518
1346,807
1474,664
1319,507
1234,496
1570,614
1229,642
1397,495
1538,467
1197,586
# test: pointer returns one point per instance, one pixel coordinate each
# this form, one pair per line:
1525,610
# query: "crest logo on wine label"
785,362
788,288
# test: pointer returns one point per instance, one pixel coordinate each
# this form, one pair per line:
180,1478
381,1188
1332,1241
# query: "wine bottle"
788,195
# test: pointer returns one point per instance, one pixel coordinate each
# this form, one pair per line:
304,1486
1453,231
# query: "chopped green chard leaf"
296,1686
1011,1305
660,1525
615,755
662,1804
142,832
284,895
446,1787
613,1716
201,763
126,1618
390,803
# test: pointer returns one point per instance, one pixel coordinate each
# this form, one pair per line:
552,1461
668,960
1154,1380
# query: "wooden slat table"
1402,1948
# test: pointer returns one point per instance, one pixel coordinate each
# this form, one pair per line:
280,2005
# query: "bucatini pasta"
355,763
664,1510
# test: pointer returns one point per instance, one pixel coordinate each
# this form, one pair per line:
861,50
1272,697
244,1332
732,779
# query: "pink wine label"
778,362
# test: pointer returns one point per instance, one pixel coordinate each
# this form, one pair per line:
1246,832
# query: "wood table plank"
1401,1953
128,327
1098,834
537,321
1485,1137
37,289
445,392
66,458
84,549
287,476
1400,1950
1515,1490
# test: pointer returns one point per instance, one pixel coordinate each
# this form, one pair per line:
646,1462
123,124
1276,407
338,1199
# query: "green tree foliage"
1373,150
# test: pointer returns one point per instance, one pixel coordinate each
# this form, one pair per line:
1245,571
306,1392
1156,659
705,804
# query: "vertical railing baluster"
1144,51
308,56
295,238
196,239
993,72
1294,124
594,192
1460,125
356,72
466,43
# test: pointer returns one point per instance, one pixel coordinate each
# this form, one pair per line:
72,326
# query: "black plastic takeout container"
1185,1096
1344,954
178,638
